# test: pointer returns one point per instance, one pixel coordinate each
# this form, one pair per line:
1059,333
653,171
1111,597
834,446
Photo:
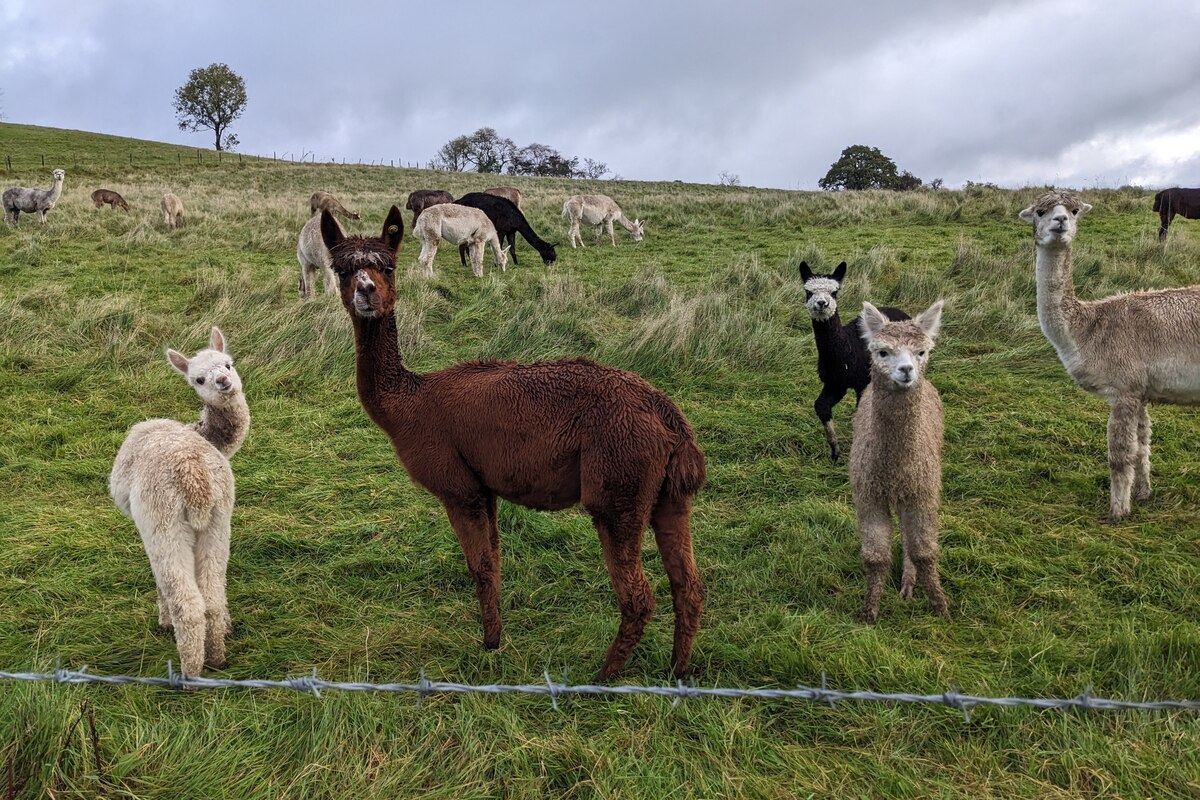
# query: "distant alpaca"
326,201
545,435
314,257
1132,349
896,457
173,480
508,193
30,200
458,225
102,196
172,210
508,220
601,211
422,199
842,361
1169,202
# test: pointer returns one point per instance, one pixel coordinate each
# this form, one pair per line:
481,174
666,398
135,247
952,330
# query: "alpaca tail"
685,471
1158,200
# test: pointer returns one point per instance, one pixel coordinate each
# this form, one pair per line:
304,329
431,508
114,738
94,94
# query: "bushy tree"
213,97
487,151
541,159
862,167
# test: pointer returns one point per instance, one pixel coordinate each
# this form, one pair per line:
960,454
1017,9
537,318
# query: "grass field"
339,563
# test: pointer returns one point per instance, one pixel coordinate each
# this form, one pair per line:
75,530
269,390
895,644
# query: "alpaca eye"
200,381
922,353
229,365
883,353
1074,212
1041,212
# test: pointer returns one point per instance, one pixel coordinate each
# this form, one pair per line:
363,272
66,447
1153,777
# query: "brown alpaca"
546,435
102,196
326,201
511,193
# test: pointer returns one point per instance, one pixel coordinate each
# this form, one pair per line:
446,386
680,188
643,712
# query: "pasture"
340,563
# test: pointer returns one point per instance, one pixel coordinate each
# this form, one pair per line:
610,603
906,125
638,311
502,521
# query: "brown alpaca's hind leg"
673,533
621,540
1141,477
474,526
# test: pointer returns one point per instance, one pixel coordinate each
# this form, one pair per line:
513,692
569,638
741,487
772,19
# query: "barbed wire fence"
312,684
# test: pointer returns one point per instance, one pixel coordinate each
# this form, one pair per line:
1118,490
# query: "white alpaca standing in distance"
896,457
314,256
20,199
173,480
458,225
599,210
1133,349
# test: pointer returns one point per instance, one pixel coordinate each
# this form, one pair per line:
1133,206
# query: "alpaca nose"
906,370
1060,217
222,382
821,304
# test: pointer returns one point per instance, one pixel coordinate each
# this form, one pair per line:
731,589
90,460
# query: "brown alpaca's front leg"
1123,421
622,545
875,531
919,532
473,528
674,536
1141,479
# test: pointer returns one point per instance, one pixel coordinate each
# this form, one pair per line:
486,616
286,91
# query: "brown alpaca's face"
366,268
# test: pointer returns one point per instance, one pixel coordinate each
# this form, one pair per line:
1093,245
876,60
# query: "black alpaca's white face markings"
820,295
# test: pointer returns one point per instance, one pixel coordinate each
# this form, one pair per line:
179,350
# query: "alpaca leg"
1123,423
1141,478
573,234
462,253
875,532
826,400
212,561
512,246
473,524
477,259
428,253
331,281
164,610
170,550
919,537
621,540
1164,218
612,236
673,533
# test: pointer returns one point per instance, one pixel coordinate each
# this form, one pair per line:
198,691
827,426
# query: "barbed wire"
311,684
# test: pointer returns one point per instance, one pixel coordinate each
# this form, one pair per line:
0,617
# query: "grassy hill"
339,563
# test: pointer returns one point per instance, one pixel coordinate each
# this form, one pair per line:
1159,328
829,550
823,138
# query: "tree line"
487,151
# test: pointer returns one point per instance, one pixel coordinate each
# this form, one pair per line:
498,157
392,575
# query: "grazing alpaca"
314,257
21,199
325,201
546,435
508,193
1133,349
1169,202
896,457
508,220
173,480
458,225
842,361
172,211
422,199
102,196
601,211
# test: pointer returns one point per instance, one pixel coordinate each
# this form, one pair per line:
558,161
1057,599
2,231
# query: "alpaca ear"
839,274
805,273
1084,208
873,320
930,320
1028,215
216,340
331,234
393,230
178,360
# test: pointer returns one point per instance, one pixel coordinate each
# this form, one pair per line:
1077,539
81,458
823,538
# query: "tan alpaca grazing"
601,211
1132,349
324,201
172,211
510,193
896,458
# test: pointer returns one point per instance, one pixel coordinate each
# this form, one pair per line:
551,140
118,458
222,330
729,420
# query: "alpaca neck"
56,191
379,371
625,223
826,334
225,427
1056,303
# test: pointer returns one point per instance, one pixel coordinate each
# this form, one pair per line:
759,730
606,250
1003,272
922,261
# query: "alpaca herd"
555,434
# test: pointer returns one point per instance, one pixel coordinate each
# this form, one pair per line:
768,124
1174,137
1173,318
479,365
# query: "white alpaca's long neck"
56,191
225,427
625,223
1056,302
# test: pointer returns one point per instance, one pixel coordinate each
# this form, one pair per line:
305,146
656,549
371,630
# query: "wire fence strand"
311,684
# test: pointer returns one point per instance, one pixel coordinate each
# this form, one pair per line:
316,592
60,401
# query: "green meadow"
339,563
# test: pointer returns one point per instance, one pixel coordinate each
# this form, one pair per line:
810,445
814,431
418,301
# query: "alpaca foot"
834,454
491,644
1144,494
868,616
222,664
164,630
906,591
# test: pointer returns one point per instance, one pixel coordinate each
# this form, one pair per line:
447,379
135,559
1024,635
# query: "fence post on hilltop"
131,159
43,159
8,161
218,156
179,158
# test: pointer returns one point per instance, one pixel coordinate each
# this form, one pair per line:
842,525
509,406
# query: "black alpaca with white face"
842,360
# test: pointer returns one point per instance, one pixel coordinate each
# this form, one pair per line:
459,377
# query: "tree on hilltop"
213,97
862,167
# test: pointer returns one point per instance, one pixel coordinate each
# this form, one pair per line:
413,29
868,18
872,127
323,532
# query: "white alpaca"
599,210
314,256
172,210
1133,349
458,225
173,480
20,199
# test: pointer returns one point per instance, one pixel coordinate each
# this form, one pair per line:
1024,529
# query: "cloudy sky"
1070,92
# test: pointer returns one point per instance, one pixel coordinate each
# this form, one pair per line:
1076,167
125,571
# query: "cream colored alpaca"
325,201
314,256
896,457
172,210
173,480
599,210
458,225
1132,349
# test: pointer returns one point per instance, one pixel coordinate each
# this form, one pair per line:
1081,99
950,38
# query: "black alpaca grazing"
1169,202
842,361
508,220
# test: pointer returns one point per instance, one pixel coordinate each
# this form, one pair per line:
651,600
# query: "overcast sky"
1069,92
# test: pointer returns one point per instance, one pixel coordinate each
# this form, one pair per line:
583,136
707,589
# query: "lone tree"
213,97
862,167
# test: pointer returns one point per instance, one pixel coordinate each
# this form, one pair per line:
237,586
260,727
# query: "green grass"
339,563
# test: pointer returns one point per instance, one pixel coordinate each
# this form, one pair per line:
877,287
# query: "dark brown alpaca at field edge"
1169,202
546,435
102,196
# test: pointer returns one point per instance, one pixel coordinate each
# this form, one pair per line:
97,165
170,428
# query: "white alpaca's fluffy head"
1055,217
638,230
59,174
210,372
900,350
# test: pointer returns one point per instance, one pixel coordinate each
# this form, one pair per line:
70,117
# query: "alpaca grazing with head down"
114,199
1133,349
546,435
